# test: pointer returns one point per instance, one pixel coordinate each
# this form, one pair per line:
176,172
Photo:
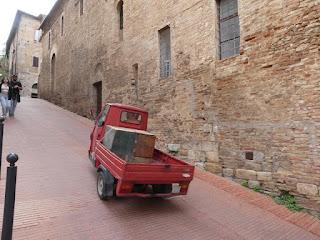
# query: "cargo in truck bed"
131,145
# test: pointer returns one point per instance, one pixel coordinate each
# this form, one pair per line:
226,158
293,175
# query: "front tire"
105,185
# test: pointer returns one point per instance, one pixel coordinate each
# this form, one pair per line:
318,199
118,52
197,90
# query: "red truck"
163,176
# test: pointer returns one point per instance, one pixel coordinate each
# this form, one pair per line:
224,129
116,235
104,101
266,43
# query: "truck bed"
163,169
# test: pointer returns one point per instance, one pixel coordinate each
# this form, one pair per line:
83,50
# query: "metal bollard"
10,197
1,140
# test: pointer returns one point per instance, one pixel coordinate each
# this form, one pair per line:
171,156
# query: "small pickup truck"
161,176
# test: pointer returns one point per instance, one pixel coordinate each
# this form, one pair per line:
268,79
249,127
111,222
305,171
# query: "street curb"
302,220
83,120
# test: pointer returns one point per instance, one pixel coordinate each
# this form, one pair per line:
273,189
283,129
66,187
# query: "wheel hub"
100,185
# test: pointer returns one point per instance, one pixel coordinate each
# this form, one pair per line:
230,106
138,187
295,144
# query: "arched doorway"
34,90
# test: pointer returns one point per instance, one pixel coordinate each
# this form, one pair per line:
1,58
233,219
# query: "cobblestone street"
56,193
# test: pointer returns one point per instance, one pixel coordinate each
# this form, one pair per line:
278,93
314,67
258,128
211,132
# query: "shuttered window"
229,28
165,52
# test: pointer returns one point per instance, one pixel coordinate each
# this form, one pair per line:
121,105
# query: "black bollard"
1,140
10,197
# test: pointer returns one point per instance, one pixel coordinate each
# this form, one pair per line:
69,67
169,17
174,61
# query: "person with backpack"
14,94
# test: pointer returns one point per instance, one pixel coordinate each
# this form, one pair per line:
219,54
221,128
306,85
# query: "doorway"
53,73
98,96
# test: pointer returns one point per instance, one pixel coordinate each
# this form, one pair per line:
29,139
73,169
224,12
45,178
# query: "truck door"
98,128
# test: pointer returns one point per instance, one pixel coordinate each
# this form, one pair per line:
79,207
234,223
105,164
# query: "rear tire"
105,185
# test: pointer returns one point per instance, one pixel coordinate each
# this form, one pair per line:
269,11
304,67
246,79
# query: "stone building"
231,85
3,66
24,50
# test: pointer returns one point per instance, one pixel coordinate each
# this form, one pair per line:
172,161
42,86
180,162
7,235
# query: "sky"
8,10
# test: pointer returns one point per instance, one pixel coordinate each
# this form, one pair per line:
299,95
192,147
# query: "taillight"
126,187
184,187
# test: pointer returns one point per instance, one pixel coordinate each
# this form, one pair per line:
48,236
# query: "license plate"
176,188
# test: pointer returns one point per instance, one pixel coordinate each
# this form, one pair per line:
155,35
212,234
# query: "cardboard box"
129,144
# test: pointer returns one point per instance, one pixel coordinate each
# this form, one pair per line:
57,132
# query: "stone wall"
254,116
267,99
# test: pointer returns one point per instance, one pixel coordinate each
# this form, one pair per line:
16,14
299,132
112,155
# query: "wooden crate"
130,144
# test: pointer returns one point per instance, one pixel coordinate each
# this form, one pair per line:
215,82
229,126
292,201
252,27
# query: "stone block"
258,156
197,157
212,156
246,174
250,165
212,137
228,172
173,147
264,176
207,128
183,152
253,183
214,168
200,165
307,189
208,146
191,155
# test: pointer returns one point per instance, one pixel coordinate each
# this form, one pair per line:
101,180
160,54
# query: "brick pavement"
56,196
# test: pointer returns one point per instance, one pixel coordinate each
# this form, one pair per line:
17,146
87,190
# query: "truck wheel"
105,185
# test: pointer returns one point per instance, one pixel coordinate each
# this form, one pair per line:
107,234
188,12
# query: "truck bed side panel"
110,161
165,169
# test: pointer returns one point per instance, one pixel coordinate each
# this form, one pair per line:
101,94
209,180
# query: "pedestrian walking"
14,94
5,102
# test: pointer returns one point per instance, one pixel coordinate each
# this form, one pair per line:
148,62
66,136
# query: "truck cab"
117,115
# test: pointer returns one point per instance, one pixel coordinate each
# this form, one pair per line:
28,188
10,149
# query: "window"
165,52
135,79
120,12
35,62
131,117
37,35
249,156
81,7
49,40
62,23
103,116
229,28
135,70
53,72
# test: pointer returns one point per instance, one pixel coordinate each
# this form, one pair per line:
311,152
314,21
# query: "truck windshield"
103,116
131,117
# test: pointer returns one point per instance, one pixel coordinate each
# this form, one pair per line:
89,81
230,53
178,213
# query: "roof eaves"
51,14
